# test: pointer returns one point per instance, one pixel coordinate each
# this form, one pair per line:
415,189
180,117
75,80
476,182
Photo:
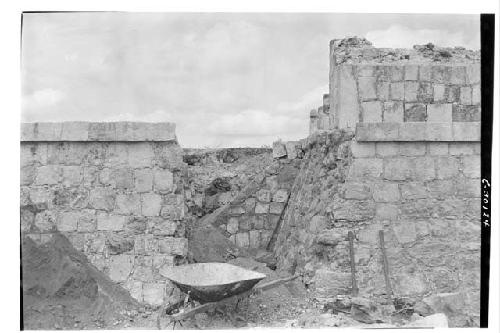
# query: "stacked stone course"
115,190
402,155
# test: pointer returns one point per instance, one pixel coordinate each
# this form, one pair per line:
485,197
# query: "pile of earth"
62,290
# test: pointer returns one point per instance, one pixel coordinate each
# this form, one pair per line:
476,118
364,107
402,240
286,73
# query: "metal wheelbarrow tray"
212,282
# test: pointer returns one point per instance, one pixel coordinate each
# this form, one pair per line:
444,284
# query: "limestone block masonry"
402,155
115,190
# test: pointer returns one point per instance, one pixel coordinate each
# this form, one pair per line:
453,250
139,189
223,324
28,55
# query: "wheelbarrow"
212,285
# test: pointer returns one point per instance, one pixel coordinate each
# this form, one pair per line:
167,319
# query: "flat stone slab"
419,131
100,131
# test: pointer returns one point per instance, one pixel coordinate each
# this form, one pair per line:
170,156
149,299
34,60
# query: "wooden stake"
355,289
385,264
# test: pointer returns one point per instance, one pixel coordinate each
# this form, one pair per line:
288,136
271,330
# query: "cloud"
42,98
398,36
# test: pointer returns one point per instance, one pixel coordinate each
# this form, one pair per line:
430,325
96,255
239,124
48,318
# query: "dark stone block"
415,112
466,113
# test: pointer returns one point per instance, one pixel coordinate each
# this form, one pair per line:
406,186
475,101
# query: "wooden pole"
385,264
354,284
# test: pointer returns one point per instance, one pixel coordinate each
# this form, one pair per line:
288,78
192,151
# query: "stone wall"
115,190
251,218
403,156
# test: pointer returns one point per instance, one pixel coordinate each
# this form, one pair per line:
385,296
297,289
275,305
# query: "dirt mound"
62,290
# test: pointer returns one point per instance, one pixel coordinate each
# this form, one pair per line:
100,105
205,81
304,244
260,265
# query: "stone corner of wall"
419,131
98,131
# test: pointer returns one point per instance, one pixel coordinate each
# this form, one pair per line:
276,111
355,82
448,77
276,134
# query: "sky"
225,79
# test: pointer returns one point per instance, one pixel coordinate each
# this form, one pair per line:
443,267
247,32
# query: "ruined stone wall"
403,157
115,190
250,219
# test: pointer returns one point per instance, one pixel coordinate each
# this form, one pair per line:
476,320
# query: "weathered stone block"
371,111
279,149
87,221
28,174
472,166
377,131
363,149
68,221
413,190
473,73
242,240
466,95
102,198
48,175
413,131
393,112
438,132
441,74
387,148
466,113
458,75
160,226
151,204
424,168
446,167
405,232
123,178
476,94
263,195
397,73
145,244
236,209
261,208
383,90
367,88
468,188
143,180
439,113
398,169
276,207
397,91
357,191
128,204
46,220
411,91
466,131
281,195
412,148
365,70
386,211
439,93
232,225
425,73
71,175
110,222
415,112
386,192
366,167
438,148
254,238
120,267
461,148
250,205
174,246
411,72
140,154
425,92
